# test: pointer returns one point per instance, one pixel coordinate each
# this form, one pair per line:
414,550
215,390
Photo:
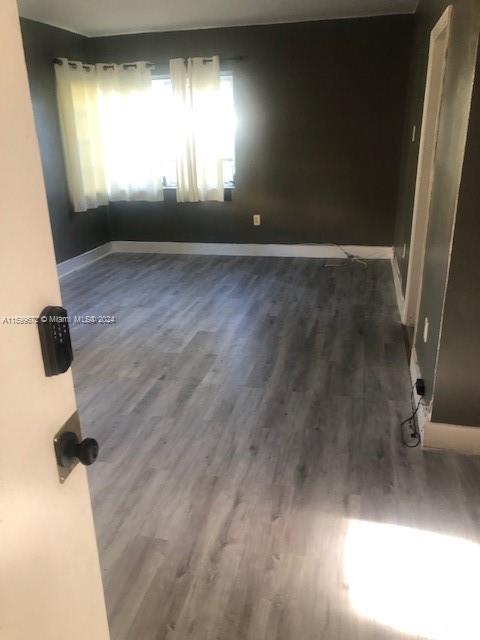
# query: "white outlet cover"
257,219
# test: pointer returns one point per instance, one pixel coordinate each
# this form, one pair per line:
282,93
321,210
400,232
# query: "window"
127,136
165,132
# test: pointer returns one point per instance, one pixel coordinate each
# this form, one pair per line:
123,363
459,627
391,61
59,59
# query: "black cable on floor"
413,424
351,257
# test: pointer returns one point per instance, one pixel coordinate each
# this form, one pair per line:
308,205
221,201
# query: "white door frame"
437,63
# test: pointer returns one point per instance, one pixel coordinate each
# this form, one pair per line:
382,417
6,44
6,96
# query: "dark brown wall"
73,233
321,109
457,397
453,124
321,113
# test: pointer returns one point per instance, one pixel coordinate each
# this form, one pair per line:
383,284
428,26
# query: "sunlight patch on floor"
417,582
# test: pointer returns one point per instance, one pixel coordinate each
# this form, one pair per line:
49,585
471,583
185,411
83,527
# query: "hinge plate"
72,424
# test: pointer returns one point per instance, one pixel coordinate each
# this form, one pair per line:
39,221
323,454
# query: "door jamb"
426,166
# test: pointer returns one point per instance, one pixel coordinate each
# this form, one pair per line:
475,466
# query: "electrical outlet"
414,132
257,219
404,250
425,330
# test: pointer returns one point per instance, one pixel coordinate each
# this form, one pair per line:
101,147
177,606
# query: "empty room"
239,320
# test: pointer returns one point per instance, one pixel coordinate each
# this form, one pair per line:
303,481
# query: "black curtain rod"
207,59
72,64
232,59
150,64
125,65
105,66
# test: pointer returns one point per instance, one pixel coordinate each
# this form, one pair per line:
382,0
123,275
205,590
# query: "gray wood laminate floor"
251,483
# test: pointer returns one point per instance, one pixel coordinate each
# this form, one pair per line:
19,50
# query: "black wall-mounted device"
420,386
55,340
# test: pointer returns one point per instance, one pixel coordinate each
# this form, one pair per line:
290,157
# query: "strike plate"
72,424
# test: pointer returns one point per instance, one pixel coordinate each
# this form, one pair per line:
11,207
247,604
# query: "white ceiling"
108,17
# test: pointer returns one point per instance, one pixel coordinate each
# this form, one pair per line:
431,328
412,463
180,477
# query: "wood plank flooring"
248,410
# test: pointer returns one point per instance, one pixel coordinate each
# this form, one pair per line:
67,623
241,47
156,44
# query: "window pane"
228,125
164,134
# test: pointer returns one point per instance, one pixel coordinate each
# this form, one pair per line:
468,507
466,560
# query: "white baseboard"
230,249
424,412
223,249
84,259
452,437
397,280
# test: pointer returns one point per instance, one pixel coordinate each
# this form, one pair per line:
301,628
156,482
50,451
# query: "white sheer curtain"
107,116
127,120
196,89
79,124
